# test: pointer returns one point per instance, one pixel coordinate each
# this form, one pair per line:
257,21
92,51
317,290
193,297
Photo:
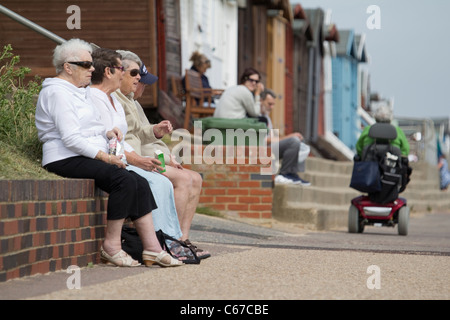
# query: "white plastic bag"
304,152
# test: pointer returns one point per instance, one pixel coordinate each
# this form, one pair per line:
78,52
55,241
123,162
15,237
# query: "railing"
31,25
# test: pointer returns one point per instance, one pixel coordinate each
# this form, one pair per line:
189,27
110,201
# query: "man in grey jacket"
289,146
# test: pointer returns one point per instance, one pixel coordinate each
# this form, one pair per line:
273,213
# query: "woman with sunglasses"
75,146
243,100
106,79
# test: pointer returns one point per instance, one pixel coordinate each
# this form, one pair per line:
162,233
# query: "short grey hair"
69,51
384,114
266,92
129,56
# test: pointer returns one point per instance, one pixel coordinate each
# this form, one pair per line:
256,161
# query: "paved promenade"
271,261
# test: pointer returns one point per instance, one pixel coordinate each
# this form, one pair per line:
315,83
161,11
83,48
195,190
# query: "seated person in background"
243,100
444,173
145,139
200,63
383,115
107,78
288,146
75,146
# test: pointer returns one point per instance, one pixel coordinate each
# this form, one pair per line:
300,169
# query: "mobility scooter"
381,206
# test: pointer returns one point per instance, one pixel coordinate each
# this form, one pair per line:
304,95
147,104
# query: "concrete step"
333,179
428,195
421,206
337,180
332,173
424,171
318,195
330,166
326,179
420,185
313,216
328,173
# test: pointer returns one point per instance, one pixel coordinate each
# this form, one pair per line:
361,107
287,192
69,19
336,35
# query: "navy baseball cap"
147,77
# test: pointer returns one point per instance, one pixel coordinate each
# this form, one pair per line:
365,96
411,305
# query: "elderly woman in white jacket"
75,146
106,79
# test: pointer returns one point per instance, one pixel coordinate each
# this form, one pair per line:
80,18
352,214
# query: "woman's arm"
145,163
251,104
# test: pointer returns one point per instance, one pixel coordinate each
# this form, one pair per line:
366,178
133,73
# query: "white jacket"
67,122
109,116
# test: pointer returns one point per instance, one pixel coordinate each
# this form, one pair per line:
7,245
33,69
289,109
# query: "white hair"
69,51
129,56
384,114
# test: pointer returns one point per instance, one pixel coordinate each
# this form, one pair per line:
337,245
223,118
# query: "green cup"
160,156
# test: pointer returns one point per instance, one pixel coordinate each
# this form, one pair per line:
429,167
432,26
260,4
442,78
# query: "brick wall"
237,186
49,225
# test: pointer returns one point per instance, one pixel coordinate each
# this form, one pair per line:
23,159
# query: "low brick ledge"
49,225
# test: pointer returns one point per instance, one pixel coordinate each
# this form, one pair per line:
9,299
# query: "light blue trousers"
165,218
445,174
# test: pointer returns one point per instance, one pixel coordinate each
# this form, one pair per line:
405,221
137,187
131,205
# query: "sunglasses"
134,72
83,64
253,80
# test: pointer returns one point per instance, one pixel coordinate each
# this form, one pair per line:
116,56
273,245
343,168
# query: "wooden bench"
198,99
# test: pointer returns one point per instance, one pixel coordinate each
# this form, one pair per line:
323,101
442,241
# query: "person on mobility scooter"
381,170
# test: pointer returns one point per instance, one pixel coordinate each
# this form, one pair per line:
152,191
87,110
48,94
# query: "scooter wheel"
354,223
403,221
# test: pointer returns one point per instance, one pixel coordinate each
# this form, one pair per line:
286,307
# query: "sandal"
163,259
202,254
120,259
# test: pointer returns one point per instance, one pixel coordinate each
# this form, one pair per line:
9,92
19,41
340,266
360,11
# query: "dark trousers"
129,193
288,150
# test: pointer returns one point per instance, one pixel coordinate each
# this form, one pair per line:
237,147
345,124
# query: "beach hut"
346,100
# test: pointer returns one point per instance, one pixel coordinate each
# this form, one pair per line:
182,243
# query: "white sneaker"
279,179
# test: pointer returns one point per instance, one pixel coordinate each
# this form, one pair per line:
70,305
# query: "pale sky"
409,54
